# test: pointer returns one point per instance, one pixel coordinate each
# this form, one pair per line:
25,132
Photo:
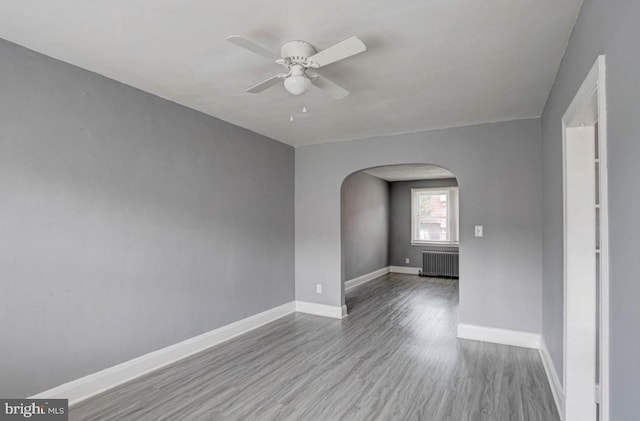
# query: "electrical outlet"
479,230
318,288
406,260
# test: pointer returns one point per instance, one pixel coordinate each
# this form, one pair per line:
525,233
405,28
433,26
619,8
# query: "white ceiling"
429,64
409,172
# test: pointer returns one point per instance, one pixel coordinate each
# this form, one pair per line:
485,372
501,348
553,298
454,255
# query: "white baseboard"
521,339
552,375
325,310
404,269
352,283
499,336
93,384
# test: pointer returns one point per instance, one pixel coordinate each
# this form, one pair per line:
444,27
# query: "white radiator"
440,264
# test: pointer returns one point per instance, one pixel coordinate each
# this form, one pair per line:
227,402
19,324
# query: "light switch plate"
479,230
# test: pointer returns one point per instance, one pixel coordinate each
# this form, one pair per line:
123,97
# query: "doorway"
400,218
586,280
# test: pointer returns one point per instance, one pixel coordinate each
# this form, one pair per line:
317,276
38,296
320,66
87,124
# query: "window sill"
450,245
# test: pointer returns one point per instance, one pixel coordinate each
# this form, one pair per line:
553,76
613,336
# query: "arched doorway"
401,218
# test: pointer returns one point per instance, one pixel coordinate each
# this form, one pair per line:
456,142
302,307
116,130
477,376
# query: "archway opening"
398,219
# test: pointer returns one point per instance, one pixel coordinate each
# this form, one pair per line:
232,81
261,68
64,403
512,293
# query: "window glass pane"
431,217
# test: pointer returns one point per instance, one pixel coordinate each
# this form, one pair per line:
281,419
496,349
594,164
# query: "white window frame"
453,220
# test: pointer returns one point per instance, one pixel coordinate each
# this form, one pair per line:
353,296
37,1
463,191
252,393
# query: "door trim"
595,83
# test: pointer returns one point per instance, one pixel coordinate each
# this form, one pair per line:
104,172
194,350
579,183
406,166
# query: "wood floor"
395,357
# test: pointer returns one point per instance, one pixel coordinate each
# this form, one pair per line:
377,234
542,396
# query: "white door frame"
588,105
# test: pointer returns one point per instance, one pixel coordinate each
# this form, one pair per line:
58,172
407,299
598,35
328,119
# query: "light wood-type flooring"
394,357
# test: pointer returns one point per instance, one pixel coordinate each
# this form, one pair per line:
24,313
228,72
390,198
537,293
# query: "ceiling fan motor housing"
297,51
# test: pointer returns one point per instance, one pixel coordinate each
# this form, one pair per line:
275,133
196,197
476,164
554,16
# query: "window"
434,215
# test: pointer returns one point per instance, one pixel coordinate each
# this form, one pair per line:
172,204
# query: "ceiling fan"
298,57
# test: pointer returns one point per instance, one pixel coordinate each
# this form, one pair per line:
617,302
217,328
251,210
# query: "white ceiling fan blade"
256,89
329,87
253,47
339,51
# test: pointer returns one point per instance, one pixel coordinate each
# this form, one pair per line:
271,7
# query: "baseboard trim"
499,336
404,269
352,283
552,375
335,312
85,387
524,340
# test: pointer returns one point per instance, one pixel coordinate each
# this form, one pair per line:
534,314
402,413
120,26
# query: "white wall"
498,167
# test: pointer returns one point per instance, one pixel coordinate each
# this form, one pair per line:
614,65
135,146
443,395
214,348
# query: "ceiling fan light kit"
298,57
297,83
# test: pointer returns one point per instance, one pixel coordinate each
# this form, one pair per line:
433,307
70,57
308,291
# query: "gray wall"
127,222
365,225
498,168
607,27
400,246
